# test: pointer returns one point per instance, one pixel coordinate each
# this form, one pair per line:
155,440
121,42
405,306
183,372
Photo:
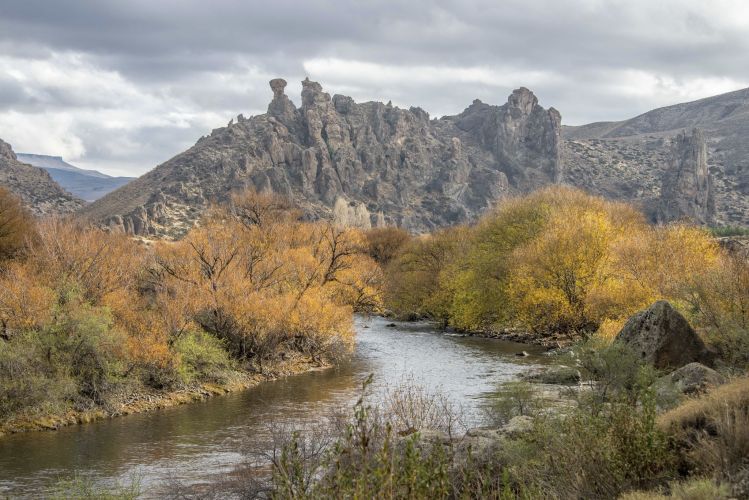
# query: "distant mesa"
89,185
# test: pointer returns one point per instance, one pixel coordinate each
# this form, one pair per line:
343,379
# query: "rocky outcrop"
692,378
687,187
525,138
661,336
370,160
39,192
628,160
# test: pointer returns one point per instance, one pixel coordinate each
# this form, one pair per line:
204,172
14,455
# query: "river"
194,442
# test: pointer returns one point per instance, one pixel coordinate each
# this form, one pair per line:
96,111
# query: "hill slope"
627,159
34,186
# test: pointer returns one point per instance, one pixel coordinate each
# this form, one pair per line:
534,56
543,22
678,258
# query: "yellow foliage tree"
25,302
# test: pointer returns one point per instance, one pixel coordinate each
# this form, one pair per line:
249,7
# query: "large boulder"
692,379
664,338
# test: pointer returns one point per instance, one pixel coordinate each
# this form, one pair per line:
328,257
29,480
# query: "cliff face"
41,194
370,162
687,187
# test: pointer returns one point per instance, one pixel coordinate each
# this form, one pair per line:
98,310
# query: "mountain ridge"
372,163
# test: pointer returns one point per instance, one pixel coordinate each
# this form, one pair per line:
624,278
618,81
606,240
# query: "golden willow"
559,260
84,312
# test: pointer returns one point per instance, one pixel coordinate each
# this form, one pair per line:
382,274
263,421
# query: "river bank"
149,400
549,340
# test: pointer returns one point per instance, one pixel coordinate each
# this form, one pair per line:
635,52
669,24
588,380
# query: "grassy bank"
613,440
152,399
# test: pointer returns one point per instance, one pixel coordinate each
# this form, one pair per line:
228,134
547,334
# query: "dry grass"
712,434
699,413
694,489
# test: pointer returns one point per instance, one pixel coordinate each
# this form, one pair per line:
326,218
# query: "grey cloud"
208,61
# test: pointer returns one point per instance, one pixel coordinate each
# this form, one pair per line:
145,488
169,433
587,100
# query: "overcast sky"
122,86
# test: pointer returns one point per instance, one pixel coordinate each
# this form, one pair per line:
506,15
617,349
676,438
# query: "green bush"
27,379
202,357
84,342
613,369
729,231
597,452
75,359
514,399
84,488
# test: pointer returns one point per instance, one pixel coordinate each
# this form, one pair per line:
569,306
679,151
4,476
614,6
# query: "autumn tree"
95,262
16,226
481,299
256,276
420,279
383,243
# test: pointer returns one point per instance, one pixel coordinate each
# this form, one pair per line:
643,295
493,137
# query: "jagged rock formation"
377,161
34,186
628,160
687,187
398,166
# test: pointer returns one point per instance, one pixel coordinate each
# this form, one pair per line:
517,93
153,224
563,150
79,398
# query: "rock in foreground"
664,338
694,378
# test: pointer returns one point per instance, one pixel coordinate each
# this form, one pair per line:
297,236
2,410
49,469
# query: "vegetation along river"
195,442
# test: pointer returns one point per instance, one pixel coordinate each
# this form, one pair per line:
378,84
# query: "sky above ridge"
123,86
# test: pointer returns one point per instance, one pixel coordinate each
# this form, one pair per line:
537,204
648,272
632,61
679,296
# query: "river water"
194,442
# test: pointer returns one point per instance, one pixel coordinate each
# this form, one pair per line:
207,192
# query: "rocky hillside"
629,159
367,163
373,163
88,185
34,186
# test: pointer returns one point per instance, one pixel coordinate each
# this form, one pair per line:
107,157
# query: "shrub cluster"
85,314
561,261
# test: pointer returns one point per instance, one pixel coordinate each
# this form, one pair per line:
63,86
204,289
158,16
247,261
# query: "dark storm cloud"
125,85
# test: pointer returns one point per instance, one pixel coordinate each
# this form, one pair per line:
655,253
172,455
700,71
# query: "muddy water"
194,442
